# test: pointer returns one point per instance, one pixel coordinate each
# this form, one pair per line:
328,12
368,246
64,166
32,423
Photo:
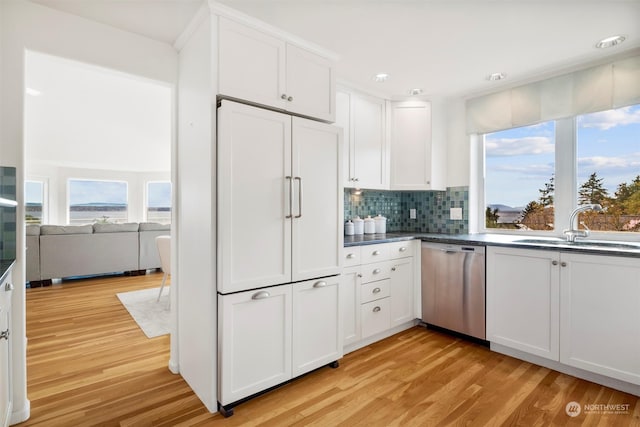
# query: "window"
159,202
34,202
519,175
97,201
598,163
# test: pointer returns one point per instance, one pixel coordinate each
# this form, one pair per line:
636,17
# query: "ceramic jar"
369,225
349,229
380,223
358,225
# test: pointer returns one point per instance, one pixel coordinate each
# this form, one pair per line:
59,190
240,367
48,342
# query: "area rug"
151,316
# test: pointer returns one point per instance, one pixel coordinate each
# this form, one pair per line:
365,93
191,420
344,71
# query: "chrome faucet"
574,232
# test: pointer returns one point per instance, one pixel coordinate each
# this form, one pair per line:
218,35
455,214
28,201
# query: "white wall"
28,26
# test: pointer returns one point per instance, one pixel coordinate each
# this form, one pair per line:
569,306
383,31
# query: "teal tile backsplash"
432,209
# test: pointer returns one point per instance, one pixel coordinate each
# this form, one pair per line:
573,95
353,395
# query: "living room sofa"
60,251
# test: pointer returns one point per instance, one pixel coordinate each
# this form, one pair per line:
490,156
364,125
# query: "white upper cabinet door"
254,232
317,199
600,314
343,120
251,64
411,146
254,335
523,300
317,325
369,143
311,84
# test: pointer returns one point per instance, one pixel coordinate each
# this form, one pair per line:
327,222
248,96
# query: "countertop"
587,246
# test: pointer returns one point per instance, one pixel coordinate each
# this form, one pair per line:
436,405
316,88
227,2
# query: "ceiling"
445,47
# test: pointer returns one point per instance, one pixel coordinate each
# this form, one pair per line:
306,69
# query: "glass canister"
381,224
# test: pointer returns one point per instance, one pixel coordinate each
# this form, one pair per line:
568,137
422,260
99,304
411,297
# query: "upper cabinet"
264,69
365,158
414,158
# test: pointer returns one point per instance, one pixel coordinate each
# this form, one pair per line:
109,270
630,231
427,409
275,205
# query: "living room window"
92,201
535,175
34,202
158,202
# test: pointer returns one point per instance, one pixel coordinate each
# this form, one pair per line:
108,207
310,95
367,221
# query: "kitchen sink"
593,244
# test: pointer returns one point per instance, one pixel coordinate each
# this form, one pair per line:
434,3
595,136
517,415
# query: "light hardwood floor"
89,364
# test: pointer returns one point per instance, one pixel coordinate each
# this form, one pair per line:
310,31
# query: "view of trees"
621,211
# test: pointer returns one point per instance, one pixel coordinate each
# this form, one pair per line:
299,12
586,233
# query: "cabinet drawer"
375,253
375,317
351,256
377,271
375,290
402,249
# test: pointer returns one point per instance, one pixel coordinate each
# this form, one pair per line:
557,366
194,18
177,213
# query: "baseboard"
22,414
380,336
173,367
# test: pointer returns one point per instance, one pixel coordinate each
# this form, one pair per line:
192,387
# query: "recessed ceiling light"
610,42
416,91
381,77
33,92
496,76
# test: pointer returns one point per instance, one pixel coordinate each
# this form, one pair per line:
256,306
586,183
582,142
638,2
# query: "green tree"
546,193
491,217
592,191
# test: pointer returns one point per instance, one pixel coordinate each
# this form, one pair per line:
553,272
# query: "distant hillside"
98,206
505,208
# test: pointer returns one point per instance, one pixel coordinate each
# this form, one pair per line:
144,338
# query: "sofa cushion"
66,229
154,226
33,230
115,228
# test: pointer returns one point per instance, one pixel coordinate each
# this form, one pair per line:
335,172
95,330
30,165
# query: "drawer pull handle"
376,309
351,256
375,253
563,264
402,249
554,262
359,275
320,284
261,295
376,271
376,290
393,269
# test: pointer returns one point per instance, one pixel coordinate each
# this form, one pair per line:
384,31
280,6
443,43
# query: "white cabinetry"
600,314
413,160
379,291
581,310
366,156
265,69
254,334
523,300
5,350
270,232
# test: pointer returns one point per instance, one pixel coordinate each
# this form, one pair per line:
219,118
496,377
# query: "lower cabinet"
268,336
378,291
5,353
581,310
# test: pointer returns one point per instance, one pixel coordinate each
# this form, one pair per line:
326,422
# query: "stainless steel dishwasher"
453,287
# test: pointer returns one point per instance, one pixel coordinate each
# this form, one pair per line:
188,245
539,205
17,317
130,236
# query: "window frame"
45,197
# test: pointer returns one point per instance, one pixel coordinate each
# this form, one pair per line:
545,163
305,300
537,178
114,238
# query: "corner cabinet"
259,67
581,310
416,164
366,158
6,288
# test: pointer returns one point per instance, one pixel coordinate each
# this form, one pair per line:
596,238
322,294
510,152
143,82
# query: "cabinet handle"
356,179
402,249
350,256
4,335
8,287
376,271
320,284
376,290
297,178
359,275
290,197
375,253
261,295
283,96
563,264
376,309
554,262
290,98
393,269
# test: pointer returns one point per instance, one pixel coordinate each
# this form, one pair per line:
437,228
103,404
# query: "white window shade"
594,89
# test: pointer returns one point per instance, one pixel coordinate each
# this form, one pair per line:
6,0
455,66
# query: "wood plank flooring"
89,365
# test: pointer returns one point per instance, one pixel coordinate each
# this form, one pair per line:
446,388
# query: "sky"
520,161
